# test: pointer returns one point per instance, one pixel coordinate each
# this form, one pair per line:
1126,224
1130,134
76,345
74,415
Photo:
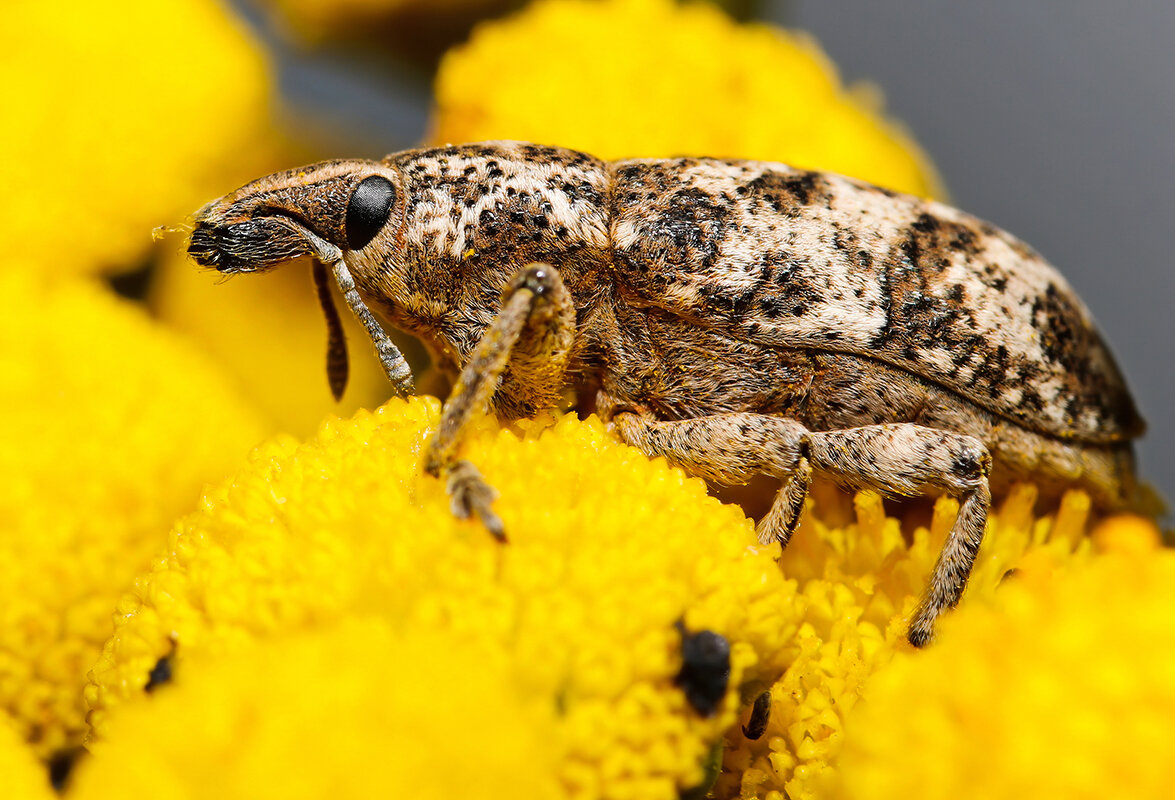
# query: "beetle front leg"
532,335
902,459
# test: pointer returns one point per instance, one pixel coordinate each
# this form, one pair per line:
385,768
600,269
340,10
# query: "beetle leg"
910,459
731,448
532,334
781,520
902,459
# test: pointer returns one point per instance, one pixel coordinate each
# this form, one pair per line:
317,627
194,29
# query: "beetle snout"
250,245
204,247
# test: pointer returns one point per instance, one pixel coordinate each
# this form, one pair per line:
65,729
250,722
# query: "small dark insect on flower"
705,669
159,675
736,317
760,715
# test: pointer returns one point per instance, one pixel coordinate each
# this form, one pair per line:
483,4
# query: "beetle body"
709,289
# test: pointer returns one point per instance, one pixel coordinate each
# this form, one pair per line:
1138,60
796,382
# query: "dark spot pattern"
796,259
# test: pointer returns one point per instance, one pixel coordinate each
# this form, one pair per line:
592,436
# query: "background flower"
632,78
24,775
122,120
350,710
112,426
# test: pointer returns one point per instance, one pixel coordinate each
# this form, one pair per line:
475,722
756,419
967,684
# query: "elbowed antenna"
394,363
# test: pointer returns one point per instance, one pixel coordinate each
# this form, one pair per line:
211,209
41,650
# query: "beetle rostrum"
737,317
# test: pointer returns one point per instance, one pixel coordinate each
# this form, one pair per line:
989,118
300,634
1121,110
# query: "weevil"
736,317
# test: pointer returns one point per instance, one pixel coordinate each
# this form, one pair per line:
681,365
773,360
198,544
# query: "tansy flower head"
608,552
858,582
1052,686
118,119
112,426
631,78
346,712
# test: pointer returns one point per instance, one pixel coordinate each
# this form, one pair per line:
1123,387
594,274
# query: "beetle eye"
368,210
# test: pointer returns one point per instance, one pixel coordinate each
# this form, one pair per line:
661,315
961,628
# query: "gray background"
1051,119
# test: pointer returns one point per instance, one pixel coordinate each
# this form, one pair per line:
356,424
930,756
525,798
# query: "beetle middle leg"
897,459
532,337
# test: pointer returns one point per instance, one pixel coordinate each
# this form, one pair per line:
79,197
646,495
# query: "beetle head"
321,210
328,211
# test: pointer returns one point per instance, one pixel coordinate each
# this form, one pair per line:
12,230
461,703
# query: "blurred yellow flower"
268,332
631,78
1056,687
111,428
22,776
346,712
118,119
607,551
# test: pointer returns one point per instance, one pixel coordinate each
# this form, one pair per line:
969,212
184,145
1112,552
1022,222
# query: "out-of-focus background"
1053,120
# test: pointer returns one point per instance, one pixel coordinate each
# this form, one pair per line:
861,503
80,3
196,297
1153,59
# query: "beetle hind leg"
909,459
896,459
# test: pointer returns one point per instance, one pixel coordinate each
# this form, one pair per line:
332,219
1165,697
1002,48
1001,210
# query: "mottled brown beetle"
736,317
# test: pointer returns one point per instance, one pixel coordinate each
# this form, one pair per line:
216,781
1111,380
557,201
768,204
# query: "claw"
470,494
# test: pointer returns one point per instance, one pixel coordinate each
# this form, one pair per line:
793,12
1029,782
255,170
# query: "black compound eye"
368,210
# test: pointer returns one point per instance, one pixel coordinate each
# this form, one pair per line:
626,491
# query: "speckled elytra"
736,317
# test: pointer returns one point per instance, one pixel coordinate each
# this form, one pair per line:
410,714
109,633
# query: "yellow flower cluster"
857,586
1053,686
632,78
118,120
608,551
345,711
111,427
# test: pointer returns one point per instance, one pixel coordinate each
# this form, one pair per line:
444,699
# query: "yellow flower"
111,427
858,583
1052,686
346,712
119,118
22,776
607,551
629,78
